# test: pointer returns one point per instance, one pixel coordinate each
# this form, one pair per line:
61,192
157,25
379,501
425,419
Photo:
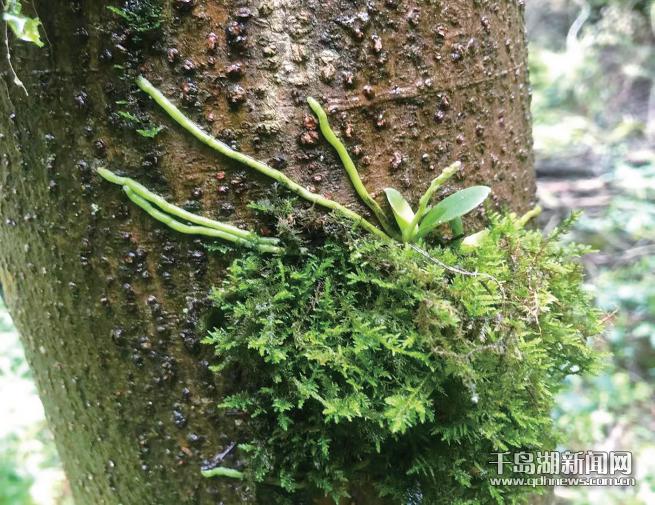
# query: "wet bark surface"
111,305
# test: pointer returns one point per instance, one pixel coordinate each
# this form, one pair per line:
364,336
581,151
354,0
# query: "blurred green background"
592,66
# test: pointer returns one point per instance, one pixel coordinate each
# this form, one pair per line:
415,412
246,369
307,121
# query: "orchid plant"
410,227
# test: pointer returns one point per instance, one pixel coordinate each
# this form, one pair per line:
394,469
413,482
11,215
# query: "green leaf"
24,27
401,210
452,207
128,116
406,411
150,133
119,12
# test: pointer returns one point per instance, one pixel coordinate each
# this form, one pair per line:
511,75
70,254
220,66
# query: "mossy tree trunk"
111,306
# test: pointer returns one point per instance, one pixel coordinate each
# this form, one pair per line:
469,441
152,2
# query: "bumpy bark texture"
111,305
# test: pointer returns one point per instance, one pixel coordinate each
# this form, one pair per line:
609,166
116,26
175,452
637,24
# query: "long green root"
531,214
144,198
222,471
174,210
349,165
260,167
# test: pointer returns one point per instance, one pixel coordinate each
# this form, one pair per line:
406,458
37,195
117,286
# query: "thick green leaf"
25,28
452,207
401,209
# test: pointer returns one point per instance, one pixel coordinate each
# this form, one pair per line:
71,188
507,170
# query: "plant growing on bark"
368,363
371,361
25,28
141,17
411,227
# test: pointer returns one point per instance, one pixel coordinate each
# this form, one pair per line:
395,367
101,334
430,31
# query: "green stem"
434,186
260,167
222,471
457,228
196,230
349,165
174,210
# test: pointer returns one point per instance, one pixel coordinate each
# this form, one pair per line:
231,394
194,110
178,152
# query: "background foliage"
593,73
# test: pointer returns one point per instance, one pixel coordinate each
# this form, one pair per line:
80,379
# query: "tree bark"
111,306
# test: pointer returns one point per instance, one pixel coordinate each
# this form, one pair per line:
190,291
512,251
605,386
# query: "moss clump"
140,16
365,363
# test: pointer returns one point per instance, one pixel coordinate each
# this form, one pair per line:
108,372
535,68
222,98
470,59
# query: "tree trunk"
111,306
